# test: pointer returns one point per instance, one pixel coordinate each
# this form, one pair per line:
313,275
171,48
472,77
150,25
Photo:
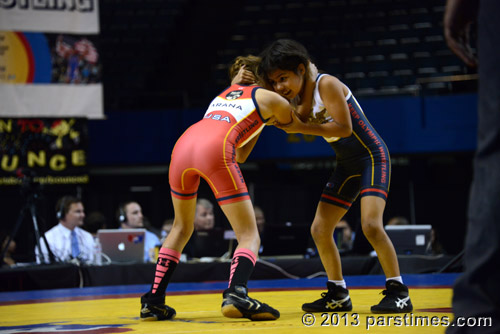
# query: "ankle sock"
165,266
339,283
397,278
241,267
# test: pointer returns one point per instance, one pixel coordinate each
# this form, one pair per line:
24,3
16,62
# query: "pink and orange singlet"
207,149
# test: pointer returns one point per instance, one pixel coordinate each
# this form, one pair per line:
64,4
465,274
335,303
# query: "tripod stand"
29,189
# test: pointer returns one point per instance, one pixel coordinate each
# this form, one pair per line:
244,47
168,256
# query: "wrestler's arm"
273,107
331,91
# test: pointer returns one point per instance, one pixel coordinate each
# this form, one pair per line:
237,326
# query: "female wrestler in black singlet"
363,168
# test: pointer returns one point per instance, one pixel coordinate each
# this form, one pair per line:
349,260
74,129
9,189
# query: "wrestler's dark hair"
283,54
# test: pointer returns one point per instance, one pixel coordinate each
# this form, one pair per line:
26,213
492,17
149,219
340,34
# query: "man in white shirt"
67,240
130,216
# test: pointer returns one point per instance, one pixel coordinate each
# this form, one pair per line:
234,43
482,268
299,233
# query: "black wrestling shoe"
154,308
237,304
336,299
396,300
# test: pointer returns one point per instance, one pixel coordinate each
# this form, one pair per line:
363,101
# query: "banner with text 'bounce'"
47,151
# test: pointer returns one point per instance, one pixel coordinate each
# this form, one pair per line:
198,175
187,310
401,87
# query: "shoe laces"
390,293
328,294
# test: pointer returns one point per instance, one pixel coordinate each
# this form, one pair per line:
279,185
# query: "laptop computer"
122,245
285,239
409,239
209,243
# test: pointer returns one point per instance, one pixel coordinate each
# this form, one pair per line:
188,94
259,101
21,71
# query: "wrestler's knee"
182,228
373,229
320,230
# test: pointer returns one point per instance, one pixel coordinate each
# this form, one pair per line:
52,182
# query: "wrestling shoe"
237,304
396,300
154,308
336,299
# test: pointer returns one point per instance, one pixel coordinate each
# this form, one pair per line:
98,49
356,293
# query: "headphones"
122,216
60,210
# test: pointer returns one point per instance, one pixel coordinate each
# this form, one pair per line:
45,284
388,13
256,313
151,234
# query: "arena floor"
115,309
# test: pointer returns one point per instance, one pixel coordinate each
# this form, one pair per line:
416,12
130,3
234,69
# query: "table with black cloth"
56,276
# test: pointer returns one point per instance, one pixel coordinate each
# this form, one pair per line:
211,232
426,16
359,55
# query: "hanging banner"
49,151
68,16
47,74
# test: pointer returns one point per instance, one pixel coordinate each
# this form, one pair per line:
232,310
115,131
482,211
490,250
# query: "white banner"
61,100
66,16
45,74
